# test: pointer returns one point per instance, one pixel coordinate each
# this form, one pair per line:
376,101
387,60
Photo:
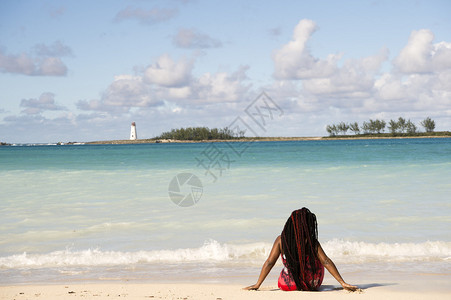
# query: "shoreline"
263,139
245,139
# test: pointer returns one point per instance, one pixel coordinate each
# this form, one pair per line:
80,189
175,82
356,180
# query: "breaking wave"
215,252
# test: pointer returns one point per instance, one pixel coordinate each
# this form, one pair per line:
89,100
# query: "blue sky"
84,70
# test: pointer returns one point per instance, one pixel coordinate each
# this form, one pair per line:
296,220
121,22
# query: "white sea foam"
357,252
214,252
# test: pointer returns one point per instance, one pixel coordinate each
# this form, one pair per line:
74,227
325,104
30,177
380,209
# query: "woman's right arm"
330,266
269,263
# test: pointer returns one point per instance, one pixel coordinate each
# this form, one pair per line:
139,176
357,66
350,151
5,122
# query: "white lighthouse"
133,135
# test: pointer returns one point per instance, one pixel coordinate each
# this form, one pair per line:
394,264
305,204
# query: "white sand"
420,286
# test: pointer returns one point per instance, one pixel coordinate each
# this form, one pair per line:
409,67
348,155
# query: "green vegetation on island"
400,127
200,134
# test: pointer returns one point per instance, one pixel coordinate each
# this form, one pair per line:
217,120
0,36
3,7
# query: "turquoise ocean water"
103,212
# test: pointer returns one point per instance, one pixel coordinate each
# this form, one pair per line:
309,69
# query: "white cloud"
208,88
51,66
127,91
441,54
414,58
21,64
355,79
27,120
90,105
35,128
45,102
420,55
167,72
46,63
192,39
294,61
420,82
442,83
122,94
390,87
167,82
149,17
221,87
63,128
179,92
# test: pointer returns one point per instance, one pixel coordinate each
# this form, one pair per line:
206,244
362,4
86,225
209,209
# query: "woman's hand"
251,288
349,287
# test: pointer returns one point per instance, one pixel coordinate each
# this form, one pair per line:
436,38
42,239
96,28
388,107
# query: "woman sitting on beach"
302,255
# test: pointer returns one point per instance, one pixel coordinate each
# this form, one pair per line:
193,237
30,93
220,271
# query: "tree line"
201,133
378,126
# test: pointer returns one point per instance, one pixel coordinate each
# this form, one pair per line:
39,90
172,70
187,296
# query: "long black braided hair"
300,246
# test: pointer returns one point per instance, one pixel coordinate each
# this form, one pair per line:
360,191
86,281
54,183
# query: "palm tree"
428,124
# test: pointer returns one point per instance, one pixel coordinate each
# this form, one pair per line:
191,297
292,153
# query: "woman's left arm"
330,266
269,263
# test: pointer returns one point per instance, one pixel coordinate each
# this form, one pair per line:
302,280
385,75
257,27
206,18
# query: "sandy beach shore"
420,286
198,291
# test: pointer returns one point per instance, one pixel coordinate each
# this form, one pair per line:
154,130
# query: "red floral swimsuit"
286,282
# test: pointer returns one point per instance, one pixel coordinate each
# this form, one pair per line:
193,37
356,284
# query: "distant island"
371,130
442,134
439,134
